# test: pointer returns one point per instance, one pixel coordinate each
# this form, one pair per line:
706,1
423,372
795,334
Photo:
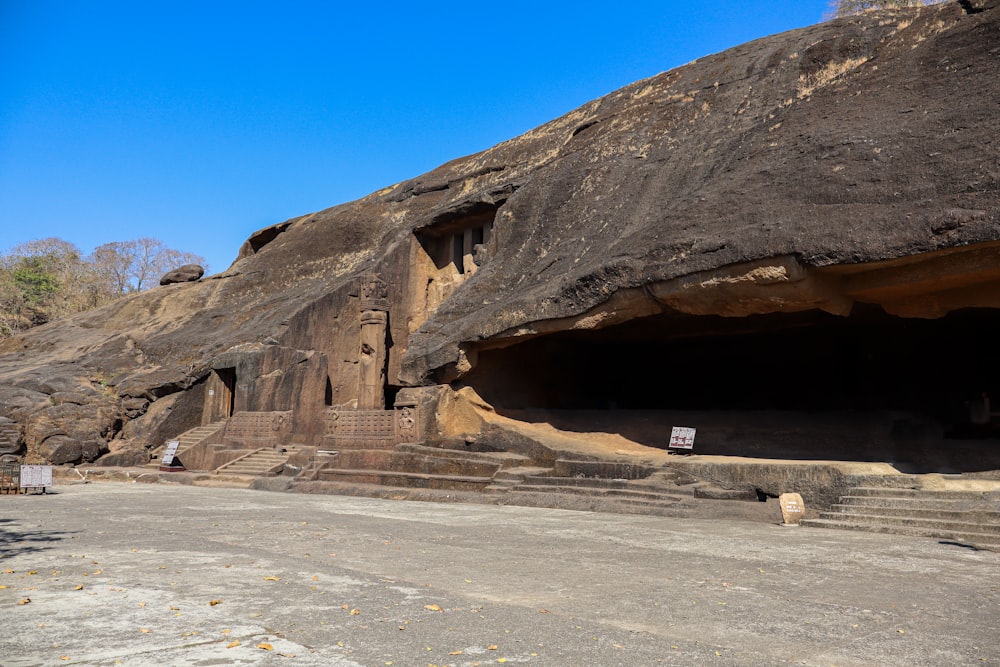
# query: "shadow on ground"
15,541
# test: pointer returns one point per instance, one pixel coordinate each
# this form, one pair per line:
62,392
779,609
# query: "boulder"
125,454
60,449
188,273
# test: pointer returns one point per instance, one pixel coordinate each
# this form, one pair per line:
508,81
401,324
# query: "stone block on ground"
792,508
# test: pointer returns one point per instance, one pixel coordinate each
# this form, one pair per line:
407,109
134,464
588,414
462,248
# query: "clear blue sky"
200,122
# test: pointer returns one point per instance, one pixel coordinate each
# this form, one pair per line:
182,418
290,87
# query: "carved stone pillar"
374,355
372,360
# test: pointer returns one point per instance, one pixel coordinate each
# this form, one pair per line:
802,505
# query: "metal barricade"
10,477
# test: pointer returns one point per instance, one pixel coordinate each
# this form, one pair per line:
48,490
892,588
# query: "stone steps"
598,491
412,461
418,466
517,474
9,438
259,463
935,512
402,478
503,459
967,516
610,494
912,502
924,494
976,539
186,441
967,522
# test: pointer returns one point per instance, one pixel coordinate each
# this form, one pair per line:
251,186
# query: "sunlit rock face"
808,223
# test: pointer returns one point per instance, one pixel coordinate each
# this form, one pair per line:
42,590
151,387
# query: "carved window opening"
459,240
454,247
462,250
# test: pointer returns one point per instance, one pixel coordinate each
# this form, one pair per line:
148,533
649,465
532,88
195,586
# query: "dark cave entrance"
803,385
220,395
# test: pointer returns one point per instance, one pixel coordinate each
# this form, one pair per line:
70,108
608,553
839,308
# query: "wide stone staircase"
187,440
263,462
9,438
963,516
606,485
413,466
534,477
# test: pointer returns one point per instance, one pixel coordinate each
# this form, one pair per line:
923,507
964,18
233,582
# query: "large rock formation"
808,224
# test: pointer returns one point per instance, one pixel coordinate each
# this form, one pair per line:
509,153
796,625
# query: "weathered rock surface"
798,173
188,273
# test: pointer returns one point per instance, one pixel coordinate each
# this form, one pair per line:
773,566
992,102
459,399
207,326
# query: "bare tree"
132,266
48,278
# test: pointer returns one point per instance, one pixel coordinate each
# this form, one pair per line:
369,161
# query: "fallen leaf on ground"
544,611
233,644
79,587
173,608
491,647
272,578
432,607
265,646
24,601
355,612
455,653
212,603
145,631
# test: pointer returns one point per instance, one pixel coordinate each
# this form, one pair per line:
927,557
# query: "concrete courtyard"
166,574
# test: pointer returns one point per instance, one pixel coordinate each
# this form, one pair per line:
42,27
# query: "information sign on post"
682,437
169,461
36,477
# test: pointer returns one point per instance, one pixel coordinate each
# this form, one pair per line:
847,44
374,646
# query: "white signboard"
682,437
36,477
171,451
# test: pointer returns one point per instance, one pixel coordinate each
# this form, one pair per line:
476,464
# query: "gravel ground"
160,574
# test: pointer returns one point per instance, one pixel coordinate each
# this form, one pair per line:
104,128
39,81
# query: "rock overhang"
843,147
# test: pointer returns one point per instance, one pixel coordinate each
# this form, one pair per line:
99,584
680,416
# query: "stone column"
468,266
373,355
372,360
